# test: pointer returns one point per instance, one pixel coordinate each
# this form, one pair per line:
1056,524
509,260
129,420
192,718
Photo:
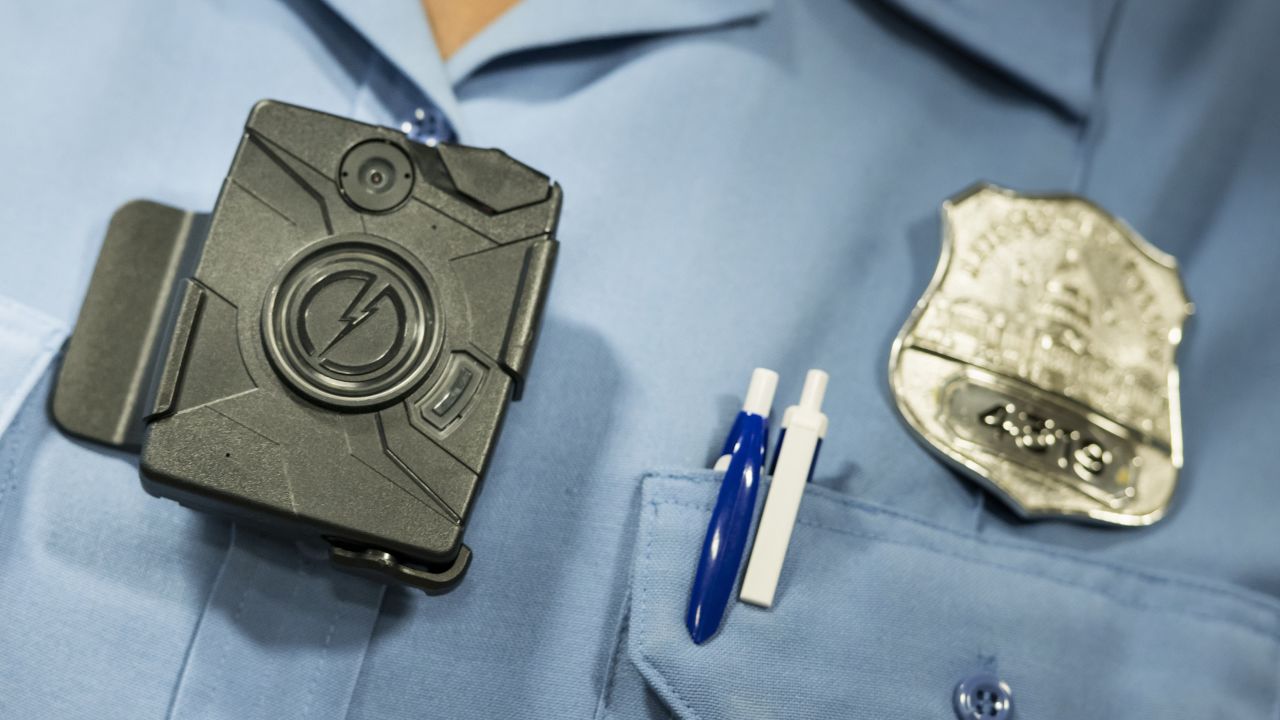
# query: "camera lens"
376,176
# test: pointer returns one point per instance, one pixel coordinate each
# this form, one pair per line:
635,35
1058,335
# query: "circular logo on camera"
351,323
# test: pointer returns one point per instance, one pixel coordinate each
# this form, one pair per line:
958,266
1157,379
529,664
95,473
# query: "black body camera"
330,352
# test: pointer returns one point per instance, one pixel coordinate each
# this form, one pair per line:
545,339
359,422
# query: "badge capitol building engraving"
1041,359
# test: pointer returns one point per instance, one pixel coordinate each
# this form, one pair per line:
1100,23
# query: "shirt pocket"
881,615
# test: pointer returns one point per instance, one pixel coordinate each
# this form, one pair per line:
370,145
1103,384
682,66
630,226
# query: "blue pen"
742,461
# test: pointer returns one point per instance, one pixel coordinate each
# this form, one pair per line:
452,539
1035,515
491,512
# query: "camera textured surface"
343,370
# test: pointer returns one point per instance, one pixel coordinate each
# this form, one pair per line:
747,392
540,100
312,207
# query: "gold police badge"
1040,360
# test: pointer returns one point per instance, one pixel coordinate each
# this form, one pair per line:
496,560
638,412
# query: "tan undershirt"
454,22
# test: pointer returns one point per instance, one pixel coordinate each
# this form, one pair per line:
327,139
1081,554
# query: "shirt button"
983,697
428,126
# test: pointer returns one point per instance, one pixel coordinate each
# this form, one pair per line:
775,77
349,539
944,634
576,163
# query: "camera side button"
461,381
450,396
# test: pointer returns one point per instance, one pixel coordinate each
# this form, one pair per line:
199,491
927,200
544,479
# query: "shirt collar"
534,24
1052,47
399,30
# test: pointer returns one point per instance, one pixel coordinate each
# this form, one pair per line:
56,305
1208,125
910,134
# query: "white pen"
803,426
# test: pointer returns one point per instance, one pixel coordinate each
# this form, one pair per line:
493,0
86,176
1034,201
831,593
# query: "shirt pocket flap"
881,615
1052,47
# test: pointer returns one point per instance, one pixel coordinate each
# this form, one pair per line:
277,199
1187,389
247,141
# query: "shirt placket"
283,634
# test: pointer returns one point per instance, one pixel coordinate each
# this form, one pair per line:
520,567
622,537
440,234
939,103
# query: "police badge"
1040,359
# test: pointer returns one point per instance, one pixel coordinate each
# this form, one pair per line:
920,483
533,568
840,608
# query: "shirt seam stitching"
863,506
616,657
649,669
653,675
1272,635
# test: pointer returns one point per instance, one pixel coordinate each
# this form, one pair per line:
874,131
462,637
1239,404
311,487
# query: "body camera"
331,351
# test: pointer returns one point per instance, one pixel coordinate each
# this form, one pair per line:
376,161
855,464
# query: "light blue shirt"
747,183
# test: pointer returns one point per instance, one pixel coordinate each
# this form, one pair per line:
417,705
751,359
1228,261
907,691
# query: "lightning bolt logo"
362,307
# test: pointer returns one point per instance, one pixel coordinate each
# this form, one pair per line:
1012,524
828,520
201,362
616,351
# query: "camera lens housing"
376,176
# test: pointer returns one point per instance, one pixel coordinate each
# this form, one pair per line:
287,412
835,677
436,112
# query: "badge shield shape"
1041,358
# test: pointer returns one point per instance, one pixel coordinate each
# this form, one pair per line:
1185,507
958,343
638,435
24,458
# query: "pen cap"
808,413
764,383
815,389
